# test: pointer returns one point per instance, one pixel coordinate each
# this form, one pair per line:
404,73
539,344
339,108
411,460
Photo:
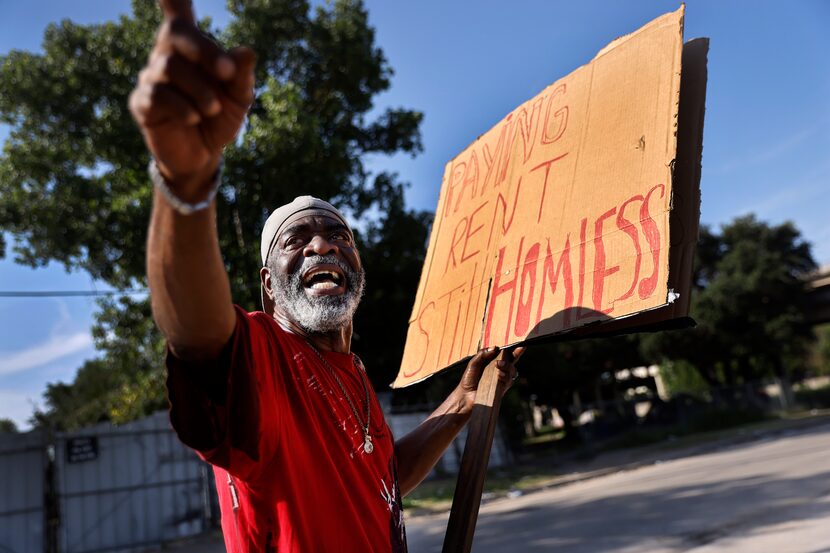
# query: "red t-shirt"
291,472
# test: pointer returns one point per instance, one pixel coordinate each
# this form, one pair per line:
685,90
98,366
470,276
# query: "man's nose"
319,245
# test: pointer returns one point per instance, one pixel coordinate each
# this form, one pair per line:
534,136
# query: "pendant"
367,445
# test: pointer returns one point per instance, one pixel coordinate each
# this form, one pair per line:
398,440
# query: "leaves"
747,305
73,179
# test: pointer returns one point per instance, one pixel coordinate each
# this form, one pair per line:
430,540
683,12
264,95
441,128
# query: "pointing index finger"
178,9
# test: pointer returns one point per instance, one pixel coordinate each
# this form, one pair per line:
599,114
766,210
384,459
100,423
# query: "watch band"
177,203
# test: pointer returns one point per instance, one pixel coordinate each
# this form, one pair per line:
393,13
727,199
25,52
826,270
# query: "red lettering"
546,165
491,160
456,175
471,175
525,300
649,284
628,227
497,289
469,304
449,295
455,242
583,231
426,335
454,333
506,151
470,179
500,200
560,118
528,128
464,255
552,273
600,272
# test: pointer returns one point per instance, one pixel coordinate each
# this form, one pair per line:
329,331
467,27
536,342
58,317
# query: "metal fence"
23,465
103,488
122,488
450,462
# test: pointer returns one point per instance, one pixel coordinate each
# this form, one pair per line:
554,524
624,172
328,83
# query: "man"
275,400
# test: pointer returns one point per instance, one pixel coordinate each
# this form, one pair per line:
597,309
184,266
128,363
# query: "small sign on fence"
81,449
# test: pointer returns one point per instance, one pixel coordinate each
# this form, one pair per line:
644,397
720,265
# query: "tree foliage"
7,426
747,300
822,350
585,368
73,179
124,384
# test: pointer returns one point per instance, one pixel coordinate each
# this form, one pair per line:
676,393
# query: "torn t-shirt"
288,454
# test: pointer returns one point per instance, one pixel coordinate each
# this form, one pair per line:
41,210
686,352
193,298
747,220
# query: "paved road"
765,496
771,495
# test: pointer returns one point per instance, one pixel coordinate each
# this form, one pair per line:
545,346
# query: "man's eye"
293,242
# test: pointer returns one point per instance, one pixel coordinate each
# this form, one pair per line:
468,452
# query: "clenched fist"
191,100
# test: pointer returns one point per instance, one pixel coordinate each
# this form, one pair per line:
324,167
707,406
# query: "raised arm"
190,101
419,450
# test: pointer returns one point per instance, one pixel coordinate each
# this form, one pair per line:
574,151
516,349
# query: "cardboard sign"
564,214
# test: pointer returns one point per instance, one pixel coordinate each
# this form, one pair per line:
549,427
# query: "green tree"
822,350
747,299
556,373
73,180
7,426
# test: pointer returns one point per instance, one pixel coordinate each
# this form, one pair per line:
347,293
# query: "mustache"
329,259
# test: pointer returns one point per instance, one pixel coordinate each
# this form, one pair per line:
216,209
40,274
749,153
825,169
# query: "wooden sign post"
480,432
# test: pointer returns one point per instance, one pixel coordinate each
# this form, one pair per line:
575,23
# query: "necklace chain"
368,447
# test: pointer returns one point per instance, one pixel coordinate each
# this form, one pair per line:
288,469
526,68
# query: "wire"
69,293
84,293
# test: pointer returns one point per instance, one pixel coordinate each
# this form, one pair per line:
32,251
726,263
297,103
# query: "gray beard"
316,314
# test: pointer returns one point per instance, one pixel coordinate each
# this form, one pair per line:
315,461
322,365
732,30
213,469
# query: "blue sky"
465,65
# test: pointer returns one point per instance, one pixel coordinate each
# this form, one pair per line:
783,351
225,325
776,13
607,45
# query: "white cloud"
790,197
793,200
45,352
769,153
64,319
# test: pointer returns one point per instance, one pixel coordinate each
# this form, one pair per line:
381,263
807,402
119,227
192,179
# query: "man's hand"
191,100
475,368
419,450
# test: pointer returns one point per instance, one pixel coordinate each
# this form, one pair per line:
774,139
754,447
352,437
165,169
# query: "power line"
69,293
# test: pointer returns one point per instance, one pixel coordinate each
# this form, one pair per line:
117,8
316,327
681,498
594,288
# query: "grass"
436,495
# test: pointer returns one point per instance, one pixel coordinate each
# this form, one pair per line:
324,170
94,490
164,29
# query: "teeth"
322,279
323,285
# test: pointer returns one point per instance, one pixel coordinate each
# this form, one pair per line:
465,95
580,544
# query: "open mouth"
324,278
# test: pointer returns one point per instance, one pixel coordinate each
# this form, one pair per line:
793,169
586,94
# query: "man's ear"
266,290
266,281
